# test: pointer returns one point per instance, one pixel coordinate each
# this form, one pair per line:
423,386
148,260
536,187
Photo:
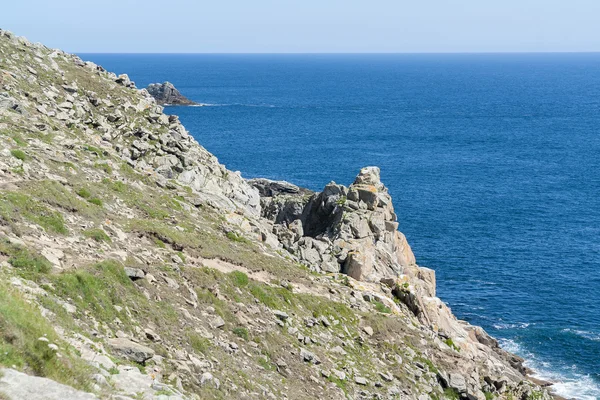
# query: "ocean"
493,162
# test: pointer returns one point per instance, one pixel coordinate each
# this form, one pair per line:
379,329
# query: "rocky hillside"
134,266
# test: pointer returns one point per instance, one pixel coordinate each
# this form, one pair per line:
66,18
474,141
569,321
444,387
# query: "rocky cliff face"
134,265
166,94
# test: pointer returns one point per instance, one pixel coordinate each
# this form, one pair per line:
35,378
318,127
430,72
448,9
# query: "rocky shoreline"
154,272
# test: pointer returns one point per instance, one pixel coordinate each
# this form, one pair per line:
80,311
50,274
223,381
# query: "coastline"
339,248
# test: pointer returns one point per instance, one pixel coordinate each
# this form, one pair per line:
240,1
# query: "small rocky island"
167,94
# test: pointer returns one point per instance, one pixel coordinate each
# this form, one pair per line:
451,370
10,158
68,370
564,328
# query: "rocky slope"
166,94
134,266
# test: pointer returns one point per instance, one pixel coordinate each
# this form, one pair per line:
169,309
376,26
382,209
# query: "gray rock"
359,380
281,315
15,385
457,381
217,322
134,273
130,350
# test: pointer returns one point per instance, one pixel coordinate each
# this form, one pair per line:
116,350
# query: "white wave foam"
584,334
521,325
567,382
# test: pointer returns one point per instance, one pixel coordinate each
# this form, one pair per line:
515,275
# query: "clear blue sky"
276,26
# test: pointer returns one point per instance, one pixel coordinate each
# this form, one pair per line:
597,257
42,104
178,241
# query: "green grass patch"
104,167
97,289
233,236
24,259
97,234
94,150
238,278
85,193
241,332
14,206
382,308
199,344
96,201
451,344
19,154
21,325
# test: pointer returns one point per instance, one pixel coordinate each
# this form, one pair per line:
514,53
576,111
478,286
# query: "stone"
166,94
217,322
281,315
341,375
359,380
457,382
368,330
134,273
15,385
130,350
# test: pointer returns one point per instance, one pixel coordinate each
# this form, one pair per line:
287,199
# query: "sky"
307,26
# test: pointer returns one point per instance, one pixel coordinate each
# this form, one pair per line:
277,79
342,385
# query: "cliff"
134,265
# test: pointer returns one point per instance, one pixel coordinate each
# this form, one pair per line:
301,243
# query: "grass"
19,154
265,362
451,344
233,236
198,343
24,259
104,167
21,325
94,150
97,234
451,394
241,332
97,289
96,201
85,193
14,206
382,308
239,279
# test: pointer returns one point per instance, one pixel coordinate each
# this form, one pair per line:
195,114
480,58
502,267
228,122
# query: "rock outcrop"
166,94
134,265
353,230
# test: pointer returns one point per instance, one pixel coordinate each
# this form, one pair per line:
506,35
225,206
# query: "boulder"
130,350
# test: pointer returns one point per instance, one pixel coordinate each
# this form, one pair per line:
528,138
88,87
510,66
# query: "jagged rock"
166,94
130,350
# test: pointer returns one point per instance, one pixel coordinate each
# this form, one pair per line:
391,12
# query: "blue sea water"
493,161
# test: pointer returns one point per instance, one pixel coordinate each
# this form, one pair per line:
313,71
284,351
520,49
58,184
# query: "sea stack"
166,94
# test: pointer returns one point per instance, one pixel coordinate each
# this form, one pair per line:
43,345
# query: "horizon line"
342,53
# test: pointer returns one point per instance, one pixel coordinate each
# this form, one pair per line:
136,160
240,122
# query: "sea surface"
493,162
